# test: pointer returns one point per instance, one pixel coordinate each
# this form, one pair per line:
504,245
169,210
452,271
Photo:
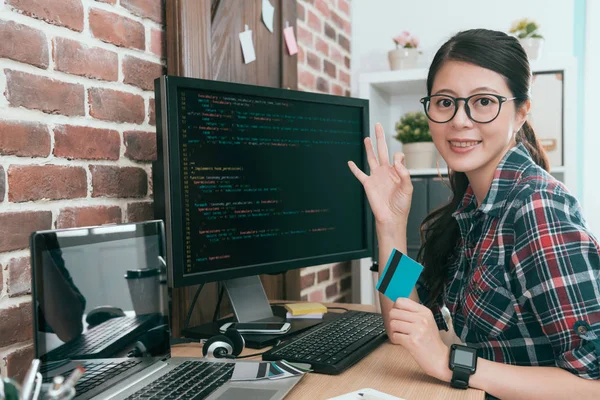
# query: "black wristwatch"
463,363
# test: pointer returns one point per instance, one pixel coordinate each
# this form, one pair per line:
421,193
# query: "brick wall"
324,32
76,132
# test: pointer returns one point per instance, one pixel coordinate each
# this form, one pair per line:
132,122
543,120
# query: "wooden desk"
389,368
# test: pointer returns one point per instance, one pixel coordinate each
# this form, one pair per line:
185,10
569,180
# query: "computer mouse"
103,313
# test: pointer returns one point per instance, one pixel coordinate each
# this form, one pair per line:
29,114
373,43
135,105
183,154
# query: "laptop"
100,300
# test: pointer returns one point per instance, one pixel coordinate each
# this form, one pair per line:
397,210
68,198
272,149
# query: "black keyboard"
97,373
103,340
193,380
331,347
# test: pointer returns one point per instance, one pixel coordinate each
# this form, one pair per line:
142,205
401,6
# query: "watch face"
464,357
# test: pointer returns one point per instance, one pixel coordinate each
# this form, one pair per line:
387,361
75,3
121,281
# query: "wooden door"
203,42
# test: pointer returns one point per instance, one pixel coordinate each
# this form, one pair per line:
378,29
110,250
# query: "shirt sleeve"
557,266
436,309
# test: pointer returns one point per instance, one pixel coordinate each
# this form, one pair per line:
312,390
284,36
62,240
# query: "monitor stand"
250,304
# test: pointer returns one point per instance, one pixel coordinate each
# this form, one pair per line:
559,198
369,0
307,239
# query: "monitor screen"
256,179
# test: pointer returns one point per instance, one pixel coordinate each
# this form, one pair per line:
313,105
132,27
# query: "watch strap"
460,377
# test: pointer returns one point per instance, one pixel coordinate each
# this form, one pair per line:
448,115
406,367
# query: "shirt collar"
511,167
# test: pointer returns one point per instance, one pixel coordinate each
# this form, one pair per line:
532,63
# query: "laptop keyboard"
97,373
96,342
193,380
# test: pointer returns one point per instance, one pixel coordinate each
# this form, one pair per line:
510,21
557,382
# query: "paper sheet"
247,46
267,14
290,40
376,395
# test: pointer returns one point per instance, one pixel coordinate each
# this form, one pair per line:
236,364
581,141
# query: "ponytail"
527,136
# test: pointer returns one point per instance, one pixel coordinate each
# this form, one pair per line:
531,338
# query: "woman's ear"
522,113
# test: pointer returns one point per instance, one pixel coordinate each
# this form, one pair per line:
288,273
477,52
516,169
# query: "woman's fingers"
399,157
382,149
371,154
361,176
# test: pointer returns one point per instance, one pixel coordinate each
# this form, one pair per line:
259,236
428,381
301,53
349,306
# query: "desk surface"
389,369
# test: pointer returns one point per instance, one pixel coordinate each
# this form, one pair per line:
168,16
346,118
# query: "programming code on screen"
267,180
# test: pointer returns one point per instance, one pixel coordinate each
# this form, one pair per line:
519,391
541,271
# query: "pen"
369,396
29,381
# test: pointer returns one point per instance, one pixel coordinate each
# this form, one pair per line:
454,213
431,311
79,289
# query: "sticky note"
399,276
267,14
290,40
247,46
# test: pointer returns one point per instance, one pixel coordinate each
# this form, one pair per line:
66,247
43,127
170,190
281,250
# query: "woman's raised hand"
388,188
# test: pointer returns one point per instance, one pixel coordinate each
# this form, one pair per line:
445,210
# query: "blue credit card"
399,276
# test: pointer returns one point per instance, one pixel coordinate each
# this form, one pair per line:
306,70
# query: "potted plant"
417,145
406,52
527,31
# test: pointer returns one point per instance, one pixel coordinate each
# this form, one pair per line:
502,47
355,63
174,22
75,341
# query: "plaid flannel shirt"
524,283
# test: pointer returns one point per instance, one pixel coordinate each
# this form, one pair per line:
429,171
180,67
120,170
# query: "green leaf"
537,36
522,35
531,27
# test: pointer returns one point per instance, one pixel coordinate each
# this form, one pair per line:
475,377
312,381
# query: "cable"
217,308
337,308
250,355
189,316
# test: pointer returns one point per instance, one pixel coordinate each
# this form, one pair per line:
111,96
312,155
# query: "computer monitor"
252,180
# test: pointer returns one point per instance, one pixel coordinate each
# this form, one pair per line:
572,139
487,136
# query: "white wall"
591,171
375,22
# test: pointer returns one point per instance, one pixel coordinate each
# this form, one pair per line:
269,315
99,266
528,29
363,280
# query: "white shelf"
444,171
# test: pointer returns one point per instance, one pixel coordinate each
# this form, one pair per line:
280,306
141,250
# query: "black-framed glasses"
482,108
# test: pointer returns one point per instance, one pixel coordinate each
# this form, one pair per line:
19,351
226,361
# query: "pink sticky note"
290,40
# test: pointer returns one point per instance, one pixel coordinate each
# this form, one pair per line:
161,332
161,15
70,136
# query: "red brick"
52,182
337,90
140,146
344,6
306,78
314,22
44,94
112,181
116,29
141,211
307,281
86,143
332,290
114,105
344,42
329,68
24,139
345,78
73,217
341,269
67,13
316,296
323,275
304,36
348,28
157,42
322,7
18,362
301,55
322,85
16,324
322,46
347,93
300,12
77,58
337,20
140,73
329,31
336,55
152,9
346,283
151,113
19,277
1,278
313,60
22,43
17,226
2,190
347,62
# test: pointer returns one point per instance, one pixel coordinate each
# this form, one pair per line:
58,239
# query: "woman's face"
468,146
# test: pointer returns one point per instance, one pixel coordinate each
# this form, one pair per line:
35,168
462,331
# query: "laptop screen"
100,292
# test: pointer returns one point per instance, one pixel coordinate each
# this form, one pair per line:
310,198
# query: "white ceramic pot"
403,58
533,47
419,155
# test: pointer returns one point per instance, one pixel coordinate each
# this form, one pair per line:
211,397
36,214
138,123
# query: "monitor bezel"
168,148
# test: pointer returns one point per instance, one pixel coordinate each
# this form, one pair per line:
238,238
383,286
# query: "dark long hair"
500,53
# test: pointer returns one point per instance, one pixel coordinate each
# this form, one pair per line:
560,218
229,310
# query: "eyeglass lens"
482,108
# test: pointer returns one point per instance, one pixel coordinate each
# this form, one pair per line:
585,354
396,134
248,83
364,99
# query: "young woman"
509,255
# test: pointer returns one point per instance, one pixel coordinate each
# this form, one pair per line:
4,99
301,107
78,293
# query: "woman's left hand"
412,325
